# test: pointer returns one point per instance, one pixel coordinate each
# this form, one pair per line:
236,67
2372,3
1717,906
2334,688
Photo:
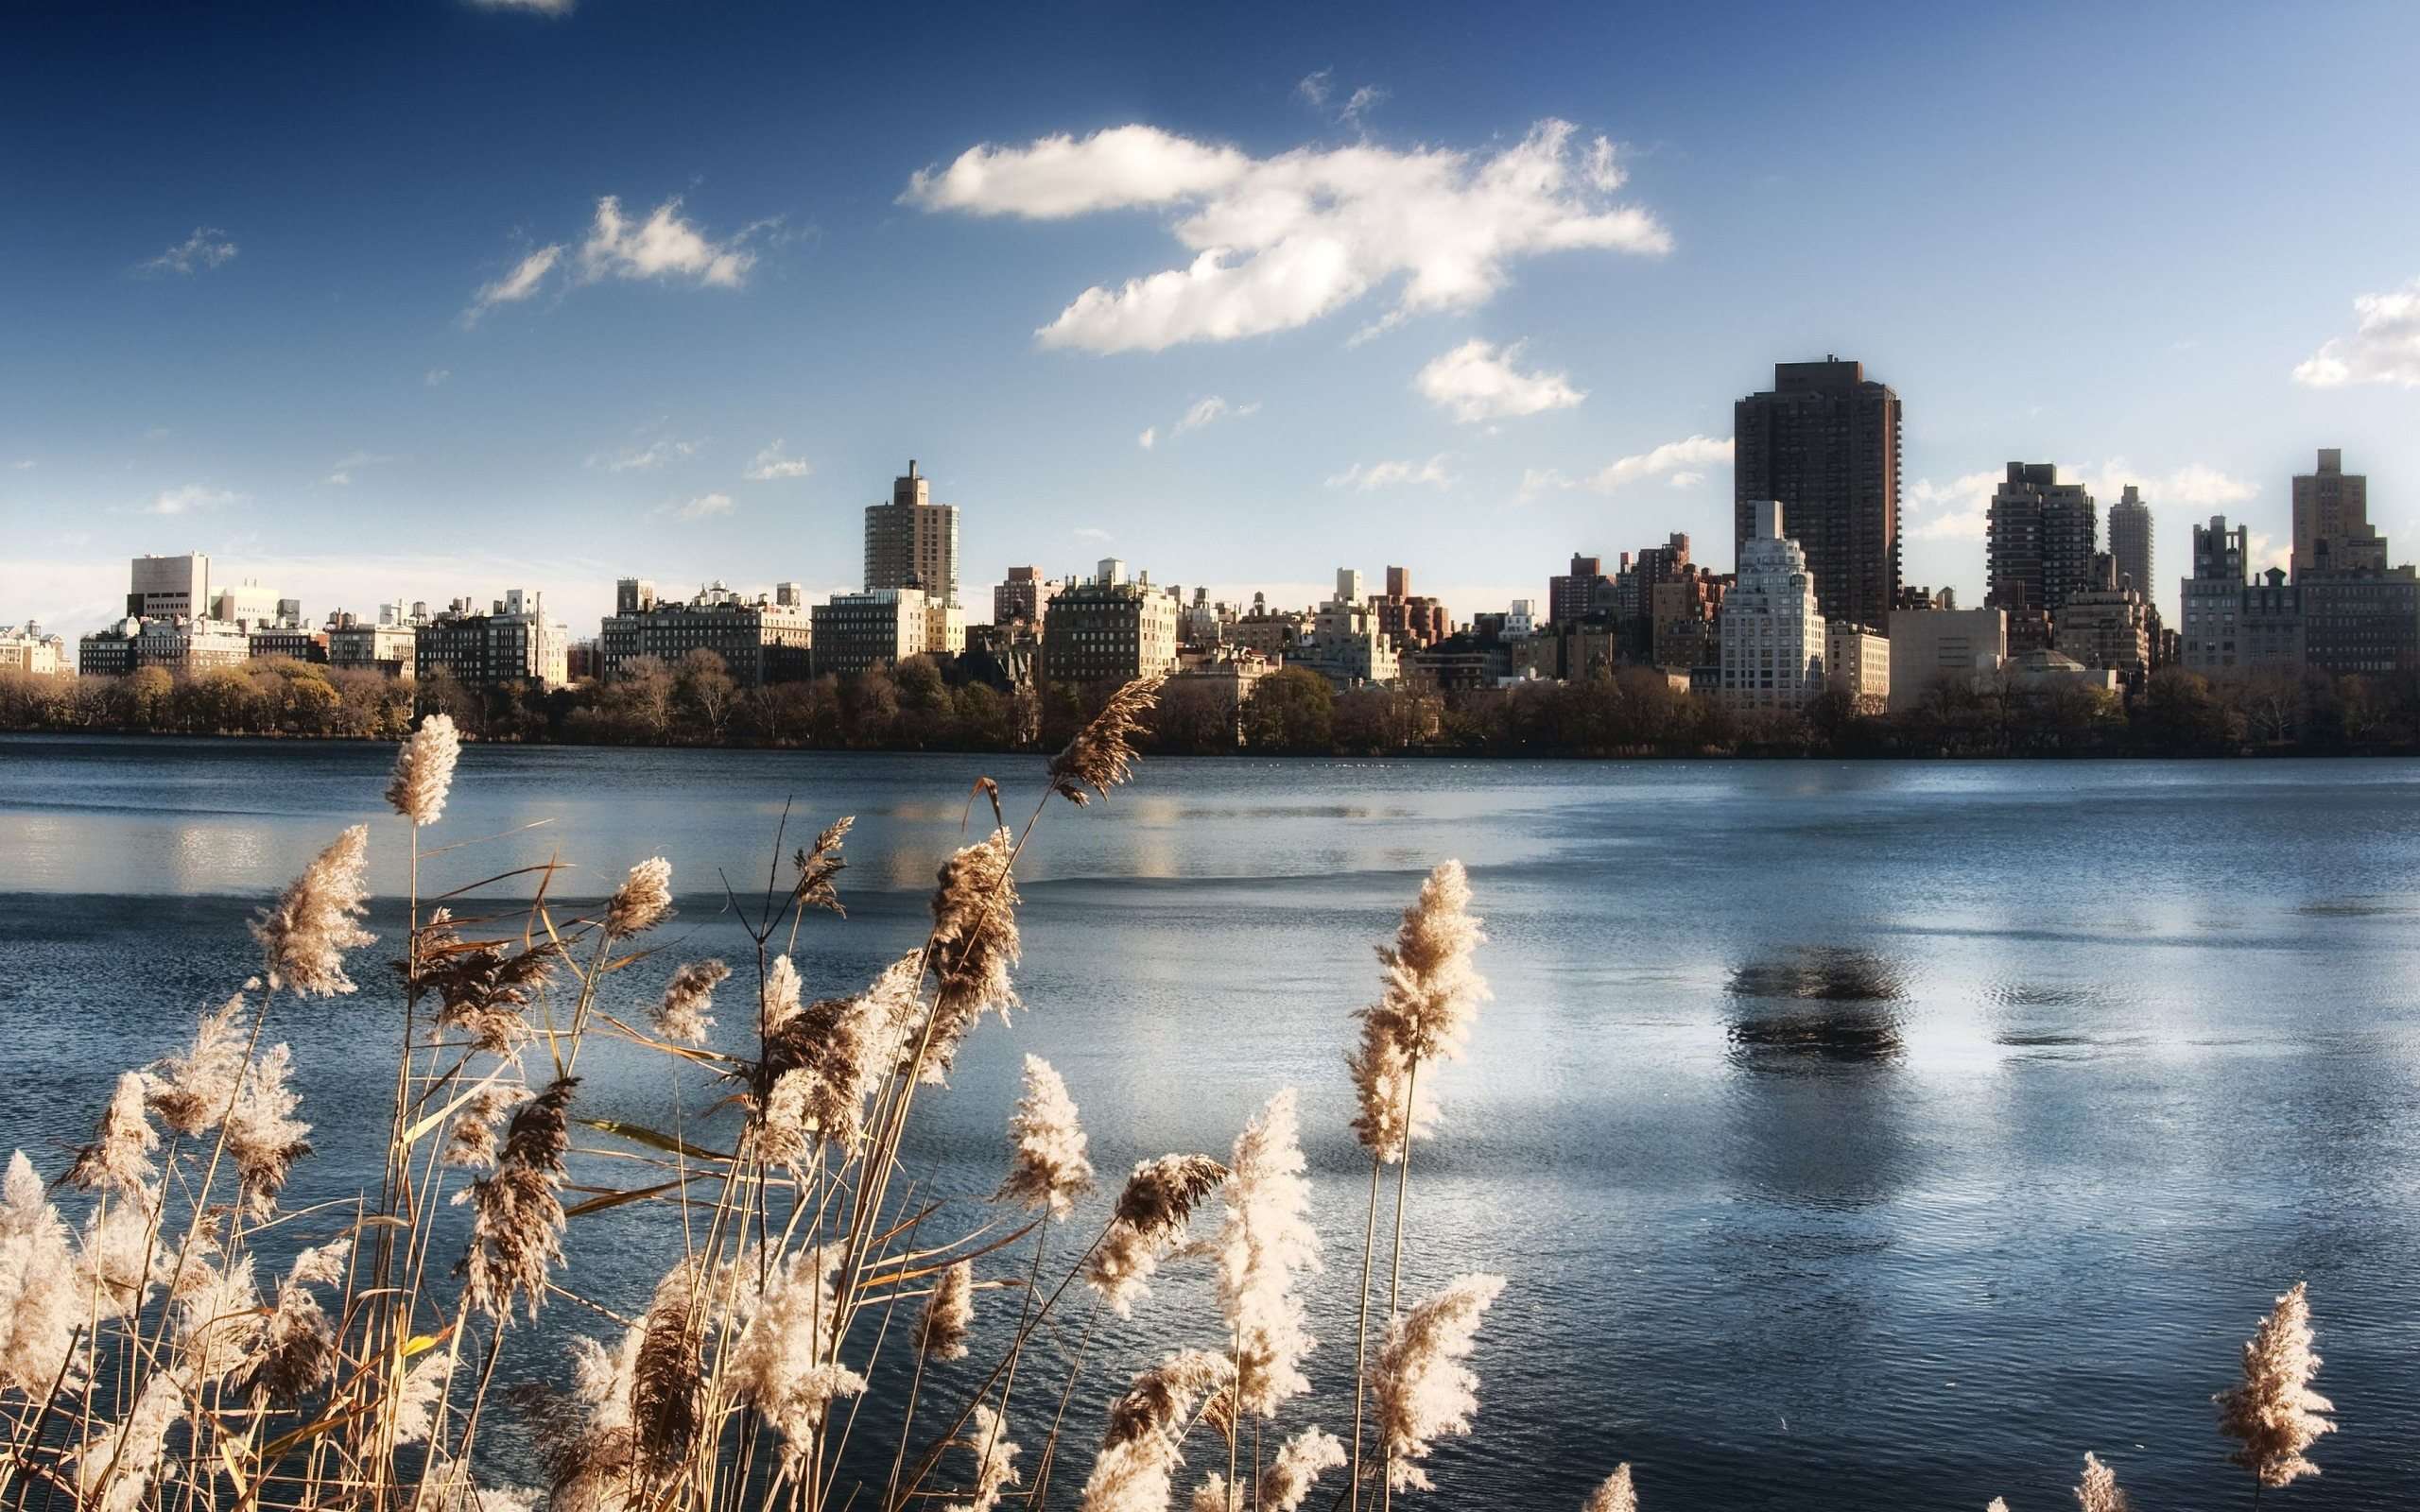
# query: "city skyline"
234,338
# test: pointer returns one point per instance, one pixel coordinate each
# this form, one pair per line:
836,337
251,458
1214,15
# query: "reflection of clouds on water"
204,857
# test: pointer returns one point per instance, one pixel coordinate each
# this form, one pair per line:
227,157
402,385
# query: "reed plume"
641,901
412,1409
1151,1220
1429,999
1143,1445
2274,1411
1103,754
975,943
949,1314
994,1460
482,990
425,770
785,1362
472,1145
1047,1166
517,1209
1285,1484
1616,1494
1997,1504
119,1159
296,1351
264,1139
2099,1491
1425,1391
306,932
820,1064
191,1091
818,865
1265,1239
682,1015
115,1463
667,1372
39,1303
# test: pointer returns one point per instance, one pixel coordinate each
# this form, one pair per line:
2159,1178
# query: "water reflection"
1854,1021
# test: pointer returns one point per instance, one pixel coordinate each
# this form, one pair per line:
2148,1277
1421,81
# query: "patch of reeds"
155,1354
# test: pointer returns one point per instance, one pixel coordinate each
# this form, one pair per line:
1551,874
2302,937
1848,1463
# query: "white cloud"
662,246
1537,480
1211,410
188,498
1279,242
436,376
24,464
1686,480
1394,475
1150,438
347,466
2384,347
1312,90
648,458
1364,100
538,7
771,465
703,507
527,275
1672,456
208,247
1090,533
1477,381
1956,510
1960,508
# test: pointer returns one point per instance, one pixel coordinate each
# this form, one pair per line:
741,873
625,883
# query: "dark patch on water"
1822,974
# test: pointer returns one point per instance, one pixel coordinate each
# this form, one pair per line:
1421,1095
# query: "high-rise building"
168,587
2212,598
2040,539
2130,541
250,604
2332,530
1347,644
911,542
1570,595
1773,626
1824,441
1856,661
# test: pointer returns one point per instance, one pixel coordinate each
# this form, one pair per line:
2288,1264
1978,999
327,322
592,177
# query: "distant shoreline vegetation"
1619,714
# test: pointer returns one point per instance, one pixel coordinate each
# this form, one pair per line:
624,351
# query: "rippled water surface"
1851,1135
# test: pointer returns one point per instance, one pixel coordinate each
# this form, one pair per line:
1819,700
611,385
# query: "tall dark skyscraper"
2130,539
1824,441
2040,539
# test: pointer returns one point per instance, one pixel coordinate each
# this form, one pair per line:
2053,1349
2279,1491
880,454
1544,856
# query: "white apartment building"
1772,631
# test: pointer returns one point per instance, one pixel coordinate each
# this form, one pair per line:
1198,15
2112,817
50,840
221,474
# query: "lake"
1850,1134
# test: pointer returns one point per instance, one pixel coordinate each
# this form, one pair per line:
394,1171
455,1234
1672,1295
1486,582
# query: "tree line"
915,705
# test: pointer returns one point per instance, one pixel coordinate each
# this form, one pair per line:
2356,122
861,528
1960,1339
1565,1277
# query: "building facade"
1570,595
1824,441
1856,661
761,640
168,587
2211,601
383,647
1023,598
1930,647
2108,626
2039,539
511,642
2271,632
2332,529
2130,541
1774,630
854,632
911,542
2361,621
26,650
1410,620
1108,630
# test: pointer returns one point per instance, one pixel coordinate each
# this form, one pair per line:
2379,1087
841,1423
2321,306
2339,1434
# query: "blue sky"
260,276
